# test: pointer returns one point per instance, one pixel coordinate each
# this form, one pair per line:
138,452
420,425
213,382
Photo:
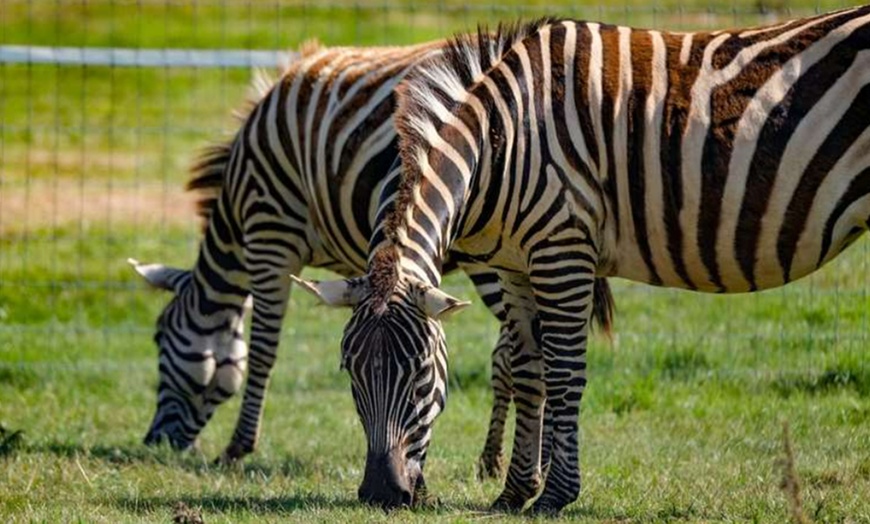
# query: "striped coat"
728,161
299,185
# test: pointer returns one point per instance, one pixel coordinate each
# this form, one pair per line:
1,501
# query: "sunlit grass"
681,420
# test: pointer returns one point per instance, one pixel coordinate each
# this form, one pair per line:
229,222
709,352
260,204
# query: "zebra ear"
160,276
336,293
248,304
439,305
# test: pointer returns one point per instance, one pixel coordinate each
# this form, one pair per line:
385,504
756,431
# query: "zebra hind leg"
491,462
524,477
488,286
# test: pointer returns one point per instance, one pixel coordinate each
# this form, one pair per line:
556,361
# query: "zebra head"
201,362
394,350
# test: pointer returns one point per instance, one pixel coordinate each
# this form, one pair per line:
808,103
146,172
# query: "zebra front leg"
564,308
524,473
270,288
491,463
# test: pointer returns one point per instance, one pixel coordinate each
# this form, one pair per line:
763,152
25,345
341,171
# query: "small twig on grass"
790,481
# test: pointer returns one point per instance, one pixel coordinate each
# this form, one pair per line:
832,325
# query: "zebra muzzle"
386,482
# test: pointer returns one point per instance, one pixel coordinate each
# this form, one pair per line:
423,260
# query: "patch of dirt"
73,161
55,204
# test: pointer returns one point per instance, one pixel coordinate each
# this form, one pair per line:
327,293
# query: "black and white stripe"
723,162
298,186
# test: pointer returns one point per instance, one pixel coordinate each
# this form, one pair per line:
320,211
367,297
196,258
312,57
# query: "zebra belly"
768,210
761,253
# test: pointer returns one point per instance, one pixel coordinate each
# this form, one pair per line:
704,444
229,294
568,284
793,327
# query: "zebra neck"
390,263
439,174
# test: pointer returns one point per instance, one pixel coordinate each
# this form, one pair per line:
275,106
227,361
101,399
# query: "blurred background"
100,119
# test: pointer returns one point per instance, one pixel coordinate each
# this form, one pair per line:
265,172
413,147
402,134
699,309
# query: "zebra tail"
207,179
603,306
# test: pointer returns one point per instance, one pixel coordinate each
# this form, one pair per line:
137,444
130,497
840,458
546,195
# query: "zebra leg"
270,287
601,316
491,462
524,473
564,308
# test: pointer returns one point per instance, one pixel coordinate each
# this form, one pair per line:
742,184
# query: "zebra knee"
228,379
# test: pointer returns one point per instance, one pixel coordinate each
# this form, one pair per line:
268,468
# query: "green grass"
682,419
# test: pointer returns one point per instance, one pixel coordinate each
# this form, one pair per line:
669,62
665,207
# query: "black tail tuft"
208,178
603,306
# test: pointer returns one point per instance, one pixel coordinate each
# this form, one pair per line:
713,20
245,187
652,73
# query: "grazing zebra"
729,161
298,186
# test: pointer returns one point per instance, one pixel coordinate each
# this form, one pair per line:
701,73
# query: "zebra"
297,186
724,162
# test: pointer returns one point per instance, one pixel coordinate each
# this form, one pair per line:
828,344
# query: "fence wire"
104,104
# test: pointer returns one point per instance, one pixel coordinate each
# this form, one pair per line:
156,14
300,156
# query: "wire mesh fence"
105,103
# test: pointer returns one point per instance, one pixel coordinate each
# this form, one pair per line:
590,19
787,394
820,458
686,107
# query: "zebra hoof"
546,507
224,460
507,504
233,454
422,497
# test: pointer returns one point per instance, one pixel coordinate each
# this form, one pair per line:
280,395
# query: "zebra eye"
416,395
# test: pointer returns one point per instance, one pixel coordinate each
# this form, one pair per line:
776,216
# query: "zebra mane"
207,171
444,78
442,81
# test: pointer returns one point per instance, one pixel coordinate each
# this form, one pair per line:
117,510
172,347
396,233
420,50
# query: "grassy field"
683,417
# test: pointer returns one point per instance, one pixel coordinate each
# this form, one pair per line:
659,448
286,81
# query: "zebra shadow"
118,454
194,461
190,505
229,504
439,506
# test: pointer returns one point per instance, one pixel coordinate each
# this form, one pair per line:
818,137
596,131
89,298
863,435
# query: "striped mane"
441,81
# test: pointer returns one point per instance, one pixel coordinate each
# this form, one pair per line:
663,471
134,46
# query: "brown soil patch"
71,160
52,204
